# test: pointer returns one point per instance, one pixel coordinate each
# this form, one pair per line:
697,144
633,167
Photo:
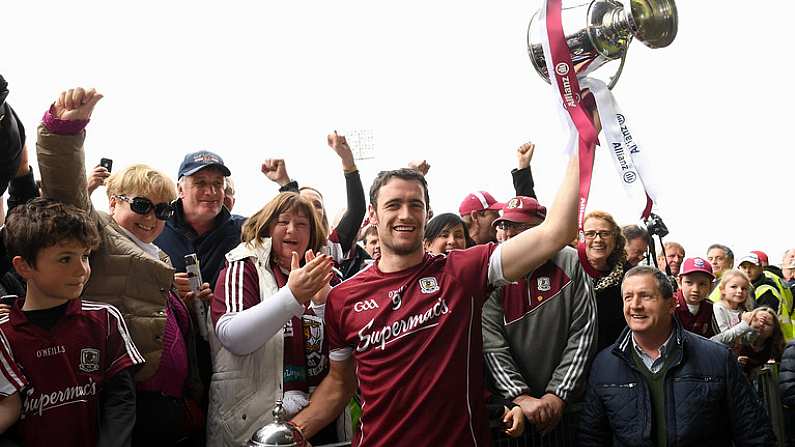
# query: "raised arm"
523,176
275,169
531,248
351,220
59,147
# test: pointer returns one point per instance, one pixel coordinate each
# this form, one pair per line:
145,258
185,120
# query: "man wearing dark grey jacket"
539,336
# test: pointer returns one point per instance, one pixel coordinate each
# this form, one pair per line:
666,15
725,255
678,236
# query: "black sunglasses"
142,205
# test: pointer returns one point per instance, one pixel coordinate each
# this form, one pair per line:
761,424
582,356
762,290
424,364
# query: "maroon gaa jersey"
59,373
415,336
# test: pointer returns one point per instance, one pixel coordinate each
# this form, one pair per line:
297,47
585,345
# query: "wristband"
289,187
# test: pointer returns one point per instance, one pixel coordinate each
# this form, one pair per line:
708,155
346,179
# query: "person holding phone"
99,174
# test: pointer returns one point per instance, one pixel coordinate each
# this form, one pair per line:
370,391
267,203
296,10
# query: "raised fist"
276,170
420,166
76,104
340,146
525,154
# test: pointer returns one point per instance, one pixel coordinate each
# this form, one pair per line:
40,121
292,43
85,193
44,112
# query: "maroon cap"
692,265
478,201
762,257
522,209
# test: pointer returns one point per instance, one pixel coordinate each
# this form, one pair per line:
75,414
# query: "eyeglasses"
602,234
142,205
505,225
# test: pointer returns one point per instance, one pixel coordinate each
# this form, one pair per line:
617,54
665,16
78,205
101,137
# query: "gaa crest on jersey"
429,285
543,284
89,360
313,344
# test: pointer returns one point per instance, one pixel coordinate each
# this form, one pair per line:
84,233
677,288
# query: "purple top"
173,369
62,127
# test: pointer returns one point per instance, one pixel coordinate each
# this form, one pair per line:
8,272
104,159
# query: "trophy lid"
654,22
278,433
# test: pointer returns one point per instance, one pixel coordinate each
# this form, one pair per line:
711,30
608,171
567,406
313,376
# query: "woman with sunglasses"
131,273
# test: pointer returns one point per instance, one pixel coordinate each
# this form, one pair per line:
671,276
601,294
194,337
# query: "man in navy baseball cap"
201,225
196,161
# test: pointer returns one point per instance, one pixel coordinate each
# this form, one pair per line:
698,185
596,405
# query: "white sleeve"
342,354
244,332
318,309
496,277
728,336
721,317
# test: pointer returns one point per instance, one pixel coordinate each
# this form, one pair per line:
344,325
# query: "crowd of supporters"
167,320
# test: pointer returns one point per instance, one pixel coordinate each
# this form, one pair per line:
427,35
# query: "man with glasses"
538,335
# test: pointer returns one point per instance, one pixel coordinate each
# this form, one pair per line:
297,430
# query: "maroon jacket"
701,322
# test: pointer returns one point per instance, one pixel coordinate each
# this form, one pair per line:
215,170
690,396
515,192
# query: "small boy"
64,363
695,283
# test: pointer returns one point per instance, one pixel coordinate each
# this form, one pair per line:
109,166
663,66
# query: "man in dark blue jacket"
660,385
201,225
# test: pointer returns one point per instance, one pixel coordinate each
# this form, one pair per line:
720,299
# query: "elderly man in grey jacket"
539,335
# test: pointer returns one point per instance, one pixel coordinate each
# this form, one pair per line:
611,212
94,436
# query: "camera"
656,226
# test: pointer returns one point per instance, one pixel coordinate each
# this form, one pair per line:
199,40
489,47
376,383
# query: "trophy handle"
614,78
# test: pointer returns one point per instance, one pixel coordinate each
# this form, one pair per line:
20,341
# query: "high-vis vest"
785,303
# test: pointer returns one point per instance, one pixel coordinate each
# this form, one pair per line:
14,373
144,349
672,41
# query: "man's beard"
403,249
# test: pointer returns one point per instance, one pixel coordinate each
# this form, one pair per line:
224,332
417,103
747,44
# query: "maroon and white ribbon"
583,133
624,149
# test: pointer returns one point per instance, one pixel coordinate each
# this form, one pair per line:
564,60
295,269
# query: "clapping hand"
305,282
320,297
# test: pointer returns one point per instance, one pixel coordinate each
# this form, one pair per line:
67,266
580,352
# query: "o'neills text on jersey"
67,396
46,352
413,323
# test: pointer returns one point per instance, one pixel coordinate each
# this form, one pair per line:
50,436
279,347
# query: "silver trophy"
599,31
278,432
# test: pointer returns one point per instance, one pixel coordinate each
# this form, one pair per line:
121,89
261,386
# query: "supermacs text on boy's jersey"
416,339
60,373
